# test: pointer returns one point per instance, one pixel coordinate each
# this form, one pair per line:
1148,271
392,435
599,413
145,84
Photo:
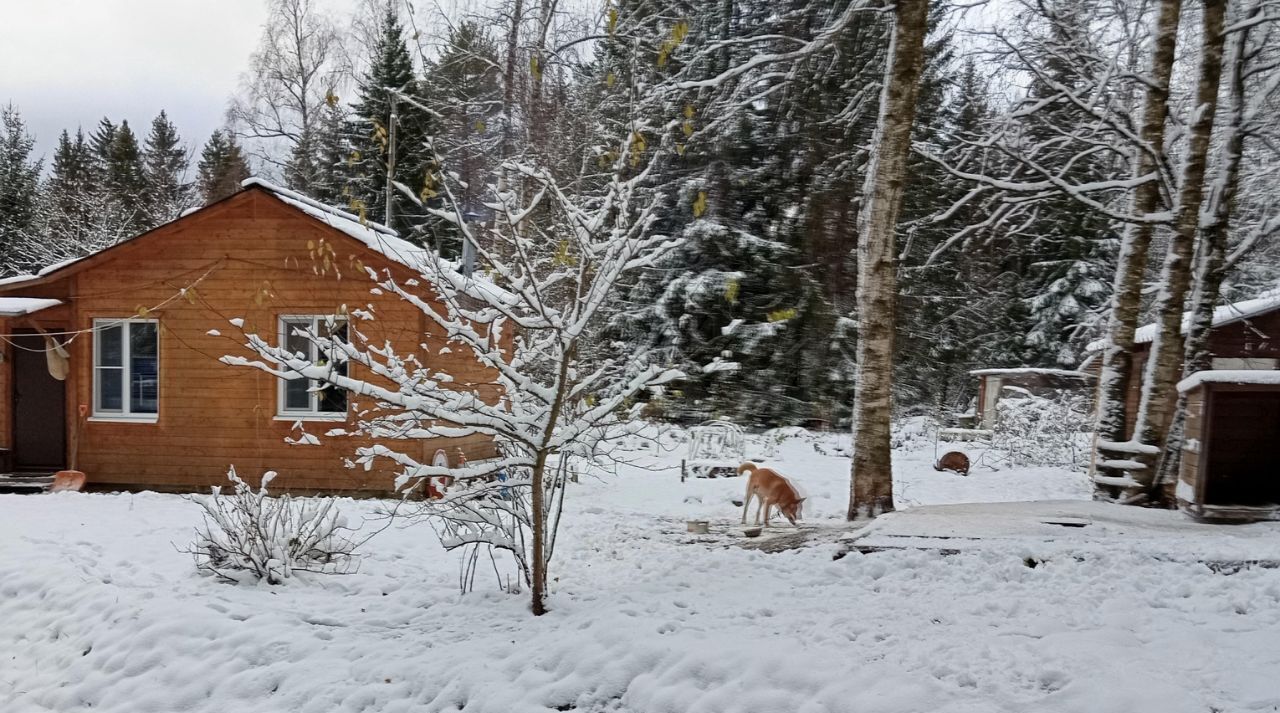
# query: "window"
301,397
126,368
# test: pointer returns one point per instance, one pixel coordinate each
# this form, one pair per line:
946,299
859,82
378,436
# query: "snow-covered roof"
1230,376
1069,373
383,240
1226,314
21,306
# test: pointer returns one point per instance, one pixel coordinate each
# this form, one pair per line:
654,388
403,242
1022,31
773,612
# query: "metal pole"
391,158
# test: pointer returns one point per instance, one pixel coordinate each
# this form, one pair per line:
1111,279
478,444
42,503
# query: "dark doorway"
39,408
1244,431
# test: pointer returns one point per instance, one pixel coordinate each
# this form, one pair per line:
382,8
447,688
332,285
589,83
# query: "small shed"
1230,461
993,385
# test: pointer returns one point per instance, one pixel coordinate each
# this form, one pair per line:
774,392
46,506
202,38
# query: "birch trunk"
871,487
1211,258
1113,385
1163,365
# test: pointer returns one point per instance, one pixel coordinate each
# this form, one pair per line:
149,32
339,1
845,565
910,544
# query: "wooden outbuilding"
996,384
1244,336
112,361
1230,460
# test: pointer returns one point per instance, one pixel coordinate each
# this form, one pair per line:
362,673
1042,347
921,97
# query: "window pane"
110,394
297,343
144,384
296,397
110,346
333,400
142,339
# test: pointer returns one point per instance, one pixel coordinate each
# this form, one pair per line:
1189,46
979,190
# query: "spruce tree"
165,167
390,73
222,167
19,183
125,178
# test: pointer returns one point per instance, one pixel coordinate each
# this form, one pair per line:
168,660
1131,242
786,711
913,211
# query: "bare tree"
297,68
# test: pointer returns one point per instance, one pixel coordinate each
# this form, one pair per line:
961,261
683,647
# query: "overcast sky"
67,63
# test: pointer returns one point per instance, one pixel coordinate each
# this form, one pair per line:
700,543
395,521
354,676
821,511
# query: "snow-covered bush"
1035,430
250,534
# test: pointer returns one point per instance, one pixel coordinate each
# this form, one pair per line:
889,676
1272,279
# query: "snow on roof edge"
1225,314
22,306
313,203
1031,370
1230,376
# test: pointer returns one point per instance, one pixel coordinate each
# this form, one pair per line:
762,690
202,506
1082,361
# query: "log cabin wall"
253,258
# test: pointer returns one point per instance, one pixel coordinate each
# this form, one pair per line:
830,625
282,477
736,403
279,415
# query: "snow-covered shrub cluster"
1043,430
251,535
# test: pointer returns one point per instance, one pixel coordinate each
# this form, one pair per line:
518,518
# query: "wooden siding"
6,387
252,258
1191,456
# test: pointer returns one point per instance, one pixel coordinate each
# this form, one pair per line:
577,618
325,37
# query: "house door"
39,409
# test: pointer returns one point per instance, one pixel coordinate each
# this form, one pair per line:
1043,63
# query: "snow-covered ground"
100,611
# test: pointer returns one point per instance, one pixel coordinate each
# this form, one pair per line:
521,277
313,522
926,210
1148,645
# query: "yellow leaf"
679,149
687,127
688,111
731,292
480,126
610,79
613,19
679,31
781,315
533,67
700,204
330,98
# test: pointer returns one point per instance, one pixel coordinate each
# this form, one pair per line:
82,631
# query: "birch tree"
1165,359
871,488
298,66
1253,86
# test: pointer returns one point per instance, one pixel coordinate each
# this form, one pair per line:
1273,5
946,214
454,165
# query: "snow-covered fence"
249,534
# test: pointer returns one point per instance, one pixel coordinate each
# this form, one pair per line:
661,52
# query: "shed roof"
1226,314
22,306
1230,376
1011,371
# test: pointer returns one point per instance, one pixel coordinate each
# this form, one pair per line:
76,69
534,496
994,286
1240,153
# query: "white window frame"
125,413
285,323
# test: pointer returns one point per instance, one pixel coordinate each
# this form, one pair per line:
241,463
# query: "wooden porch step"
22,482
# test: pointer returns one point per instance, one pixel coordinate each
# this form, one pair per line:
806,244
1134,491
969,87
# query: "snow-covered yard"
101,611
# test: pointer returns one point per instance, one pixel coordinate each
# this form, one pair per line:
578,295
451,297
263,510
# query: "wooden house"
112,361
1230,469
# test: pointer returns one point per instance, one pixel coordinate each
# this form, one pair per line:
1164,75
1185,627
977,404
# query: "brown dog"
954,461
772,489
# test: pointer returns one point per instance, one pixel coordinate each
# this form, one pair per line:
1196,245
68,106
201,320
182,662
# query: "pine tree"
165,168
19,183
390,73
222,167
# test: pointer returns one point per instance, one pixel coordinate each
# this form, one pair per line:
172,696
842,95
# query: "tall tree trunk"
871,486
1165,361
1113,386
1211,257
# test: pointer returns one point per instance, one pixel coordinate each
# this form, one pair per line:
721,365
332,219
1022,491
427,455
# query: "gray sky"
70,62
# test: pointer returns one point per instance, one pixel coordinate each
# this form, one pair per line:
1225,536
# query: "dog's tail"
746,467
938,466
